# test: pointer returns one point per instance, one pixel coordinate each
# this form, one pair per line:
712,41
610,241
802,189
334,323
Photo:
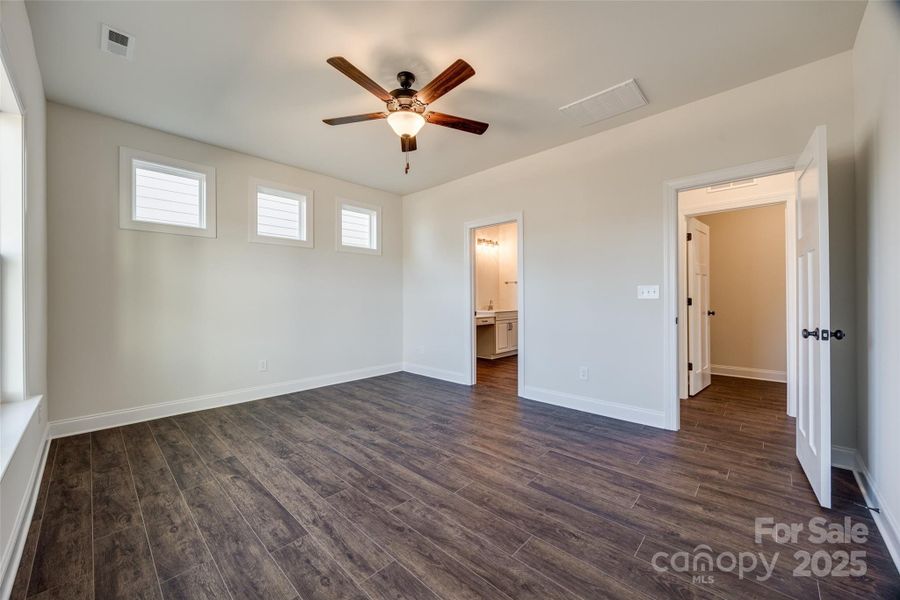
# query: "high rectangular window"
358,228
163,194
166,195
279,215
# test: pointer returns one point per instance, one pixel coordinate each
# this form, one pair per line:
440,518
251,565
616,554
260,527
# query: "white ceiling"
252,76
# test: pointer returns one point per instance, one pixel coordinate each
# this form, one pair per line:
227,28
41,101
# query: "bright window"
279,215
165,195
358,228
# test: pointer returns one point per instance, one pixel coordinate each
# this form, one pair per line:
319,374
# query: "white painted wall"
19,57
487,268
140,318
593,223
876,77
507,263
747,290
495,266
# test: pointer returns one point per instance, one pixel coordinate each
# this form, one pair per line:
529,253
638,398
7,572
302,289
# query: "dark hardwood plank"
23,573
247,567
202,582
204,441
354,551
41,500
175,541
486,560
315,574
580,577
184,462
81,588
115,501
436,569
63,553
273,524
396,583
123,567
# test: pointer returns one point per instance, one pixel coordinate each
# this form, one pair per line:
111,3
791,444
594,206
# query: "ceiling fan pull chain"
406,170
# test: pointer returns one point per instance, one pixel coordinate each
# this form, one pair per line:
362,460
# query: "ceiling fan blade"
343,65
408,143
356,118
452,76
460,123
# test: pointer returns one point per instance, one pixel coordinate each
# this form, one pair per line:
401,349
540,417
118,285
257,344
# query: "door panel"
700,375
813,311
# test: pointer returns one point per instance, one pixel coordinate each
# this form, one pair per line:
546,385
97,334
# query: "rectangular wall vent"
608,103
731,185
117,42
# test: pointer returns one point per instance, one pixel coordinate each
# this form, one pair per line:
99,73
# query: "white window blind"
358,227
280,214
168,195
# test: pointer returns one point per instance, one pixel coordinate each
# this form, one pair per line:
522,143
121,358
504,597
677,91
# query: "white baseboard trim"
614,410
885,520
117,418
844,458
425,371
23,519
749,373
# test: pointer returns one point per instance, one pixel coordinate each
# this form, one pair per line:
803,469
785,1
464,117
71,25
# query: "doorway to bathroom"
495,299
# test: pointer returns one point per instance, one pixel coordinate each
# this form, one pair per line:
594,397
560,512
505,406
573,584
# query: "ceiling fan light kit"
406,108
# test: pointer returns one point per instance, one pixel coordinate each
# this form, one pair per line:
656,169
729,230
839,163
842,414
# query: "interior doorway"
495,314
737,279
808,310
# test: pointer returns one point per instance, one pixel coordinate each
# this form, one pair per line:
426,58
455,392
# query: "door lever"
808,334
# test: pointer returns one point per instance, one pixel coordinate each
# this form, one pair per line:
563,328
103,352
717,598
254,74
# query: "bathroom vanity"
497,333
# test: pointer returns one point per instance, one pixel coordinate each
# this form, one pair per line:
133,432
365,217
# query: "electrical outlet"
583,373
263,365
648,292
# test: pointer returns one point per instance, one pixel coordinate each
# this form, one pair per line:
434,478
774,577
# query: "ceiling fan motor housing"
404,97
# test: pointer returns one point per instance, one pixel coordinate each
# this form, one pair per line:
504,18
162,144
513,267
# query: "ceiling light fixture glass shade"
405,122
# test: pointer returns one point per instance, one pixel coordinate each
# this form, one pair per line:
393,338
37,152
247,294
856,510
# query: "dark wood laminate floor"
402,487
501,374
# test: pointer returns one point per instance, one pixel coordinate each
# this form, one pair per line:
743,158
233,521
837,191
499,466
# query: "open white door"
699,370
814,311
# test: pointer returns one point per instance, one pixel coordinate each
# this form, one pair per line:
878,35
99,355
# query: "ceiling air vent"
117,42
608,103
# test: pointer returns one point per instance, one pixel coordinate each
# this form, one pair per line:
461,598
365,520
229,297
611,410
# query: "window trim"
127,196
352,204
253,208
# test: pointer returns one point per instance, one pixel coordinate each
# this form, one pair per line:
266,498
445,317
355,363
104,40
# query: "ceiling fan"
406,108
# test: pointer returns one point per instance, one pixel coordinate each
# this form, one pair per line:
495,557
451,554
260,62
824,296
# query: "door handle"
808,334
710,313
836,334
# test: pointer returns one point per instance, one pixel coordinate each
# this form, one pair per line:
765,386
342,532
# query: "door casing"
469,245
675,272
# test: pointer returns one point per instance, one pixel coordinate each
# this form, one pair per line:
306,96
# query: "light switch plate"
648,292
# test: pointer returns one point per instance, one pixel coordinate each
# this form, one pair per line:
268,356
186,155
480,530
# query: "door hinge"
690,237
690,301
690,366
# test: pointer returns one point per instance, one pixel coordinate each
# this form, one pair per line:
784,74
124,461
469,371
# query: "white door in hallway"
699,369
813,310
